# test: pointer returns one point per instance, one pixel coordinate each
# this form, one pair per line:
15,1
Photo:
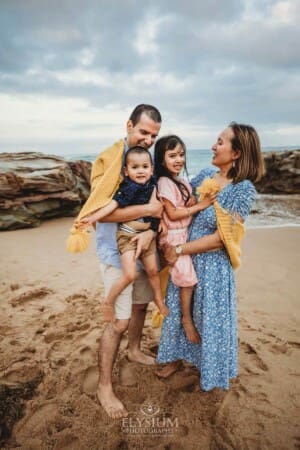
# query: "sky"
71,71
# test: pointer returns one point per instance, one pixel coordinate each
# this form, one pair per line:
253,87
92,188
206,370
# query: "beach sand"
50,325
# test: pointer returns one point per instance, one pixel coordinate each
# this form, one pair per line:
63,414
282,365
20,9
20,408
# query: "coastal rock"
282,173
35,186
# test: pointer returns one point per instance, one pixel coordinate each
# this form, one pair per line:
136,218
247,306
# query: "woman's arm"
201,245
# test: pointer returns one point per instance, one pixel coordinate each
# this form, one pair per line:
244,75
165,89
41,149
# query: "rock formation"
282,173
35,186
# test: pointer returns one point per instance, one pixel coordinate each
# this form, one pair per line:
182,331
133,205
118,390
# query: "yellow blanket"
105,180
230,228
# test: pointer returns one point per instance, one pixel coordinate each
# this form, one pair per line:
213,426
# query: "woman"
237,155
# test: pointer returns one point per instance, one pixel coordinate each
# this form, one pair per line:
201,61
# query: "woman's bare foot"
140,357
190,330
108,312
110,403
169,369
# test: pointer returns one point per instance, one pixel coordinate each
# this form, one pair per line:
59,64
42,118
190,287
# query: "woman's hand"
169,254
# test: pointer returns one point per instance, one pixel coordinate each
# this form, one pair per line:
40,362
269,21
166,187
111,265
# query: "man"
143,127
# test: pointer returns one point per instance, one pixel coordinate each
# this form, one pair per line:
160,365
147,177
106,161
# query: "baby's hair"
164,144
137,150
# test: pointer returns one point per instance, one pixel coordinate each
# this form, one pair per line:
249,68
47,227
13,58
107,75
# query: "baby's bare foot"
190,330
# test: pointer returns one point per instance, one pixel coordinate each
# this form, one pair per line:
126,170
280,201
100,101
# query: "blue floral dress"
214,300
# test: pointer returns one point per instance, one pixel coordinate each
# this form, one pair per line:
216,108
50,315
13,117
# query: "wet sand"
50,325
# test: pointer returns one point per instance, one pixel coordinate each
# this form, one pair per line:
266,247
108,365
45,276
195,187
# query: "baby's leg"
129,274
191,332
151,268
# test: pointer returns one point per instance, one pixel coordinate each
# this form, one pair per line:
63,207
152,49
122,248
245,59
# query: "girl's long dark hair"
164,144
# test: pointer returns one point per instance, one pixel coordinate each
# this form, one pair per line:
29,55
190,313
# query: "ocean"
268,210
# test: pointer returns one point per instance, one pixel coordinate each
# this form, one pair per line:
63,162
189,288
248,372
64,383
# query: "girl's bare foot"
190,330
169,369
163,309
108,312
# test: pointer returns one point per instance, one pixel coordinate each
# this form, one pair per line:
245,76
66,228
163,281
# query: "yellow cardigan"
105,180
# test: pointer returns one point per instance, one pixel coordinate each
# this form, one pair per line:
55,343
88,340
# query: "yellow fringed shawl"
230,228
105,180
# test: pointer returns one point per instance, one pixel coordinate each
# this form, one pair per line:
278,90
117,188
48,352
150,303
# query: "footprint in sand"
127,373
28,295
68,442
37,423
253,362
90,380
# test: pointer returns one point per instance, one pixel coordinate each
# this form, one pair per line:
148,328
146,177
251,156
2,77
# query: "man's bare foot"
110,403
169,369
190,330
140,357
108,312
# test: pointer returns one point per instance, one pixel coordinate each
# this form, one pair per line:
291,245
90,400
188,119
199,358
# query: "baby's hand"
84,223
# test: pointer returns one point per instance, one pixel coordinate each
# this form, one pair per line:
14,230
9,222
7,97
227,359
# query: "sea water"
268,210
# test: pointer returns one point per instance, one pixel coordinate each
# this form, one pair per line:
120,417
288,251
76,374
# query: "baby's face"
138,167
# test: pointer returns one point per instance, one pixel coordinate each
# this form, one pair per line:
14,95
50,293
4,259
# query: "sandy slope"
50,324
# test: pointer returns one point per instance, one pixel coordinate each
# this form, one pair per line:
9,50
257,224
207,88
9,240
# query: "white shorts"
139,292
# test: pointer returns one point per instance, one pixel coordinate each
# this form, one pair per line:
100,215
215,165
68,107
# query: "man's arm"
152,209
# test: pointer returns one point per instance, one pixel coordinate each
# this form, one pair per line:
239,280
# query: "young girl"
179,207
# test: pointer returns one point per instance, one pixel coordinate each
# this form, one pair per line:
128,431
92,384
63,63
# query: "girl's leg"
191,332
151,268
129,274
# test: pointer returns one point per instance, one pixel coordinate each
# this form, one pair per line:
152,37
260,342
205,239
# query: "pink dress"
182,273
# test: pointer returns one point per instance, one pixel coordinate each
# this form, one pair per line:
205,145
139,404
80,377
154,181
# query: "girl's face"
174,160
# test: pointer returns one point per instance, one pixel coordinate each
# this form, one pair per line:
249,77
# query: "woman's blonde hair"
249,165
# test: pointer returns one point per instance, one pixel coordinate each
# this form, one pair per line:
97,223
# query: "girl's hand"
162,229
170,254
208,200
192,201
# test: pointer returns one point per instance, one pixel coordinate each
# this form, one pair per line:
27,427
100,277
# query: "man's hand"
154,207
143,241
162,229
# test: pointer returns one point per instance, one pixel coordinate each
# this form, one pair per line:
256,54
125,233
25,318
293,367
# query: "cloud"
202,63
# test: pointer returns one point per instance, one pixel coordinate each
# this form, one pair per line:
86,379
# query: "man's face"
143,133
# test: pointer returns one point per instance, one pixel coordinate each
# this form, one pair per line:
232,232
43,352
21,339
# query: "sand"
50,325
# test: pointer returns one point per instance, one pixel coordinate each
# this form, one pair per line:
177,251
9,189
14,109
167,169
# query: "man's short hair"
149,110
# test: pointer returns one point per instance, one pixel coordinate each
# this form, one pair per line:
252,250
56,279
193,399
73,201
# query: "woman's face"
223,155
174,160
